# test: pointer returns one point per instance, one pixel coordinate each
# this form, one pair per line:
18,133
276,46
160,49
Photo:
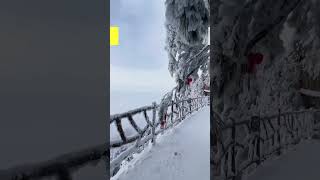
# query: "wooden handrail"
176,111
272,133
60,167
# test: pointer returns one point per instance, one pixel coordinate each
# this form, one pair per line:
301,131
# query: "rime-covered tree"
241,27
187,23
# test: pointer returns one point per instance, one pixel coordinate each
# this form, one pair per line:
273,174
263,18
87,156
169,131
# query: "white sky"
140,62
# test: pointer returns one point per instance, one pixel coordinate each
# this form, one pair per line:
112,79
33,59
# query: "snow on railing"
176,112
242,146
60,168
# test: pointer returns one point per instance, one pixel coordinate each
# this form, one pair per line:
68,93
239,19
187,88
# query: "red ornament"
189,80
163,122
253,60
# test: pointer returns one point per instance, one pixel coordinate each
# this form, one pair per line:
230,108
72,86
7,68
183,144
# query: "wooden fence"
309,83
175,113
60,168
242,146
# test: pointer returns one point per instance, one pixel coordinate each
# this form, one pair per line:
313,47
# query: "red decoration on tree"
253,60
163,121
189,80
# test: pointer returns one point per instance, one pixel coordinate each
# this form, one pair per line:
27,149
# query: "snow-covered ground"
298,164
180,154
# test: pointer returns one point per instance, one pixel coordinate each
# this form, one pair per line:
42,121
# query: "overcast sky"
140,62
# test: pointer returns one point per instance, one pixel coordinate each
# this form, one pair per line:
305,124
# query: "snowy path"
182,154
299,164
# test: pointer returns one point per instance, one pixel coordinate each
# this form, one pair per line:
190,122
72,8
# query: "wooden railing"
307,82
60,168
243,145
175,113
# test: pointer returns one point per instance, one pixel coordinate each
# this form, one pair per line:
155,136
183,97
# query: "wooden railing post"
259,141
256,130
279,132
182,109
233,149
197,104
172,113
153,130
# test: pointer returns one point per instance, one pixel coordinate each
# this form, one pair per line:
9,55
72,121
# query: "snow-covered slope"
180,154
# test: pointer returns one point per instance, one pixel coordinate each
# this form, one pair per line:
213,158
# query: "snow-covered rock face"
274,87
189,17
287,45
306,21
287,36
187,23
